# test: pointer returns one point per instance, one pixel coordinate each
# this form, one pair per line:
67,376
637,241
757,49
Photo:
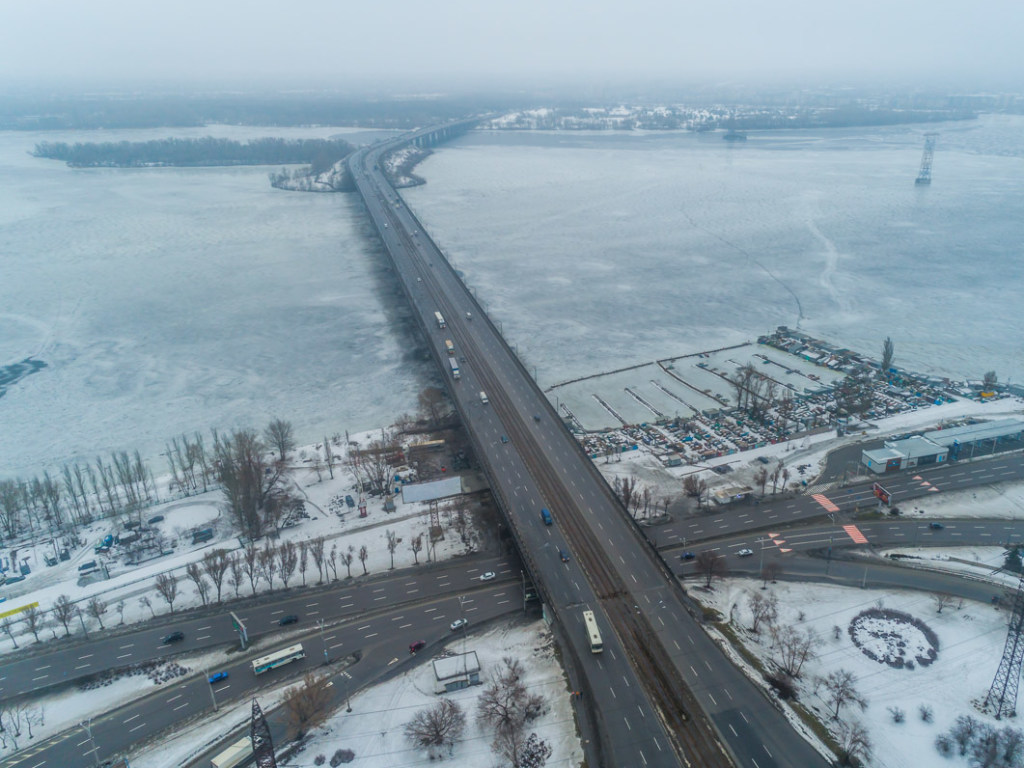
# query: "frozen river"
171,300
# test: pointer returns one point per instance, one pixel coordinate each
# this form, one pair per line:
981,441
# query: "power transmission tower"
924,176
1002,696
262,744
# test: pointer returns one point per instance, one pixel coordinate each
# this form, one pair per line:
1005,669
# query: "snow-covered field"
970,641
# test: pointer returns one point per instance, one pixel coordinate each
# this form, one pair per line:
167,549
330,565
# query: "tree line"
320,154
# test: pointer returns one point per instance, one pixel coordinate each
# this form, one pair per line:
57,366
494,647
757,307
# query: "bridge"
662,693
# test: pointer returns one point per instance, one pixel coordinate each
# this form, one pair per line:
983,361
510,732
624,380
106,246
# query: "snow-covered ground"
374,728
970,642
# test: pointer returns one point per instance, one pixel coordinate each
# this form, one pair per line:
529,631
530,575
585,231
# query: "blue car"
216,677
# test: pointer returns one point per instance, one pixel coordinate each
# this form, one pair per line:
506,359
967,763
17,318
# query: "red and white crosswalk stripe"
824,500
854,533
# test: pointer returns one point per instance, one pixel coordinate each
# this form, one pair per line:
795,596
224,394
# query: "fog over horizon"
524,44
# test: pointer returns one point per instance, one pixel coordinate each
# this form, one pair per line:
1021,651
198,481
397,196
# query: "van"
483,398
546,517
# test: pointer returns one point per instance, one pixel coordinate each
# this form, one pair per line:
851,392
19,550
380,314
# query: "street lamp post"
86,726
320,623
209,682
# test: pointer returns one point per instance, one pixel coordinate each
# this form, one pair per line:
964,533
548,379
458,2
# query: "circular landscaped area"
894,638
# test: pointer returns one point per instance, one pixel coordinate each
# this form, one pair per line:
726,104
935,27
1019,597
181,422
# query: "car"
349,501
291,618
174,637
458,624
536,417
504,439
419,645
564,555
745,552
687,556
216,677
936,526
487,576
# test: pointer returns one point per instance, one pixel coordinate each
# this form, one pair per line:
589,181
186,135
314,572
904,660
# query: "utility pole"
213,696
320,623
86,726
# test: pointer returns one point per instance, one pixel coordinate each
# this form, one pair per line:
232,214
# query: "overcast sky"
76,41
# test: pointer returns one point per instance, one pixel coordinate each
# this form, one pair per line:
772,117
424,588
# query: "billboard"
881,494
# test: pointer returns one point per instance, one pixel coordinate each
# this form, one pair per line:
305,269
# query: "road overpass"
661,682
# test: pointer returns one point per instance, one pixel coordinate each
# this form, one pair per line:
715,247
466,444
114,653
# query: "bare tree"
145,602
95,609
236,564
416,545
287,560
963,732
841,686
280,436
761,478
943,600
888,353
392,539
215,565
529,752
167,588
246,478
770,572
777,475
316,549
329,456
762,609
432,404
794,648
710,565
33,619
120,611
251,565
303,560
267,561
64,611
307,705
363,554
332,561
195,575
854,744
506,706
437,727
7,626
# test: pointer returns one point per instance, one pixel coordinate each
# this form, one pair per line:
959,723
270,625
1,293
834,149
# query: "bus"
274,660
440,320
449,347
596,645
237,754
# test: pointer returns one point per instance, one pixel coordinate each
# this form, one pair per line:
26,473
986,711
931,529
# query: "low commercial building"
453,673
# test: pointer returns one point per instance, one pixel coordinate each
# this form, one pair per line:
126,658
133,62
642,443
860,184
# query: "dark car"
291,618
174,637
350,501
564,555
687,556
504,439
155,519
936,526
419,645
216,677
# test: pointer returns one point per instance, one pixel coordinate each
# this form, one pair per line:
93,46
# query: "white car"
487,576
458,624
745,552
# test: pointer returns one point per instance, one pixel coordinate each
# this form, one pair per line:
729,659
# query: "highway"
379,636
909,490
651,638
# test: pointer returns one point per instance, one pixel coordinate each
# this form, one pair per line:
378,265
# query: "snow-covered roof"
916,447
456,666
435,489
882,455
972,432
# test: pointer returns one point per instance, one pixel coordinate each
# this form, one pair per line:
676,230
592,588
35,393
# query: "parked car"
745,552
936,526
687,556
174,637
350,501
458,624
155,519
419,645
564,555
291,618
216,677
487,576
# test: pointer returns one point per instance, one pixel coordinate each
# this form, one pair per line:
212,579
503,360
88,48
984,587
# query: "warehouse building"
941,445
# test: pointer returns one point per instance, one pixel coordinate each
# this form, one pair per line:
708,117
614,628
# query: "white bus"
596,645
274,660
440,320
234,755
